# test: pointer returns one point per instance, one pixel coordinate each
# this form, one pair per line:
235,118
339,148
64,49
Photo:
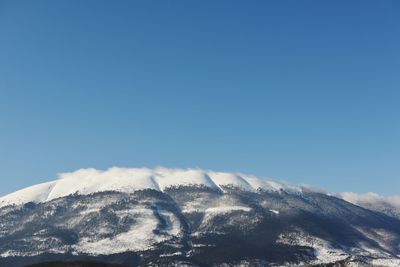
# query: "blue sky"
303,91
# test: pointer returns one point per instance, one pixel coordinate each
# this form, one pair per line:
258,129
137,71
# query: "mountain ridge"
87,181
173,217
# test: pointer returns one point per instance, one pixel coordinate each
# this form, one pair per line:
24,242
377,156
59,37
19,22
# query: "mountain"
389,205
192,217
75,264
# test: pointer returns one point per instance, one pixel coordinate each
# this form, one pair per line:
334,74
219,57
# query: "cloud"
371,198
389,205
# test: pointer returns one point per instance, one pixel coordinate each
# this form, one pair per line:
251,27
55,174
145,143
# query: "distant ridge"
190,217
75,264
128,180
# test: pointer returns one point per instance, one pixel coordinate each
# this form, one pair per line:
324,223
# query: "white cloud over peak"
389,205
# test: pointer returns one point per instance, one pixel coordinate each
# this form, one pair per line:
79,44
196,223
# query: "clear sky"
302,91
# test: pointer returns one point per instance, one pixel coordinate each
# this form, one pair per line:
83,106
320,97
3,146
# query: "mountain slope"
87,181
389,205
163,217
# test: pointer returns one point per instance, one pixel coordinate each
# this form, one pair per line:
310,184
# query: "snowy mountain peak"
190,217
88,181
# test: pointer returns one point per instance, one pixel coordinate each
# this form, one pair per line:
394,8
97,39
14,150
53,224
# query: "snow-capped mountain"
176,217
389,205
89,181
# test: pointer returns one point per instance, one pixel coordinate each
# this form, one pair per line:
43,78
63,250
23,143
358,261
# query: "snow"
88,181
139,238
230,179
274,211
383,237
386,262
323,251
36,193
174,225
226,209
389,205
215,211
178,177
371,199
171,254
269,185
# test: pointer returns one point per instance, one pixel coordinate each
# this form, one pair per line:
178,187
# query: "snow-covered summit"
88,181
182,223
